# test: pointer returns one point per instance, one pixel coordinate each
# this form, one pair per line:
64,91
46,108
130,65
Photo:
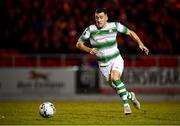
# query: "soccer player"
102,37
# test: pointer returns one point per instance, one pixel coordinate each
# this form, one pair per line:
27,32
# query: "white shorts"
115,64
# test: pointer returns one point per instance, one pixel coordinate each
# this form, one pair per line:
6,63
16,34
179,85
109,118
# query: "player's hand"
93,51
144,48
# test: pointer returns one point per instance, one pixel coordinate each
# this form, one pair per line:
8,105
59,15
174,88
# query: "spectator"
52,26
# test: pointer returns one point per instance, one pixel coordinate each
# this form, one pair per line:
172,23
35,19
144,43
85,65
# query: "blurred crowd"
54,26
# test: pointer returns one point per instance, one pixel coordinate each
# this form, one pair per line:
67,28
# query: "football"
47,109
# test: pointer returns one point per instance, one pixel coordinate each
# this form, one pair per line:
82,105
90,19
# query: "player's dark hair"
100,10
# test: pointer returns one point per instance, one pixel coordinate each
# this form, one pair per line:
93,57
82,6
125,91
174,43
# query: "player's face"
101,19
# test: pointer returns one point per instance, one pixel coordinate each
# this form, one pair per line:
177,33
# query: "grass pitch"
90,113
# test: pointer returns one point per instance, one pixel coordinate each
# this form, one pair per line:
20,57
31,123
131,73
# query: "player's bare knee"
115,76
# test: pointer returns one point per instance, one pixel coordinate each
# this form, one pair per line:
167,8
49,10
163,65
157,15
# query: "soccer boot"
134,101
127,109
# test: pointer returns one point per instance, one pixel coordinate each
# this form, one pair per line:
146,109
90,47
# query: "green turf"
90,113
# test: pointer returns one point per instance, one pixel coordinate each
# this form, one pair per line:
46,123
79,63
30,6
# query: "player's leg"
106,72
131,96
121,90
123,93
117,69
116,72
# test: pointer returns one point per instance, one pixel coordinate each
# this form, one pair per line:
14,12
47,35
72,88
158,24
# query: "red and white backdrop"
148,80
58,82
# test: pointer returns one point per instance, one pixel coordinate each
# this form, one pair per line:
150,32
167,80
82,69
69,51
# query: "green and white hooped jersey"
104,40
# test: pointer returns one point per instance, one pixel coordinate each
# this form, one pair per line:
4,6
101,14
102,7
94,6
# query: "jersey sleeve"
85,35
121,28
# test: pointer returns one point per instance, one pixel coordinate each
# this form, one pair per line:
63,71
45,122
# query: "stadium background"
39,61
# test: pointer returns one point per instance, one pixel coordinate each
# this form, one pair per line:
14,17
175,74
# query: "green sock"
129,95
121,90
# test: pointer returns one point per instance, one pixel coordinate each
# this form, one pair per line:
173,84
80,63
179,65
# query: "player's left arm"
135,37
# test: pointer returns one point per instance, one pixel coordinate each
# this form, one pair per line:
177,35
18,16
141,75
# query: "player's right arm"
83,38
80,45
